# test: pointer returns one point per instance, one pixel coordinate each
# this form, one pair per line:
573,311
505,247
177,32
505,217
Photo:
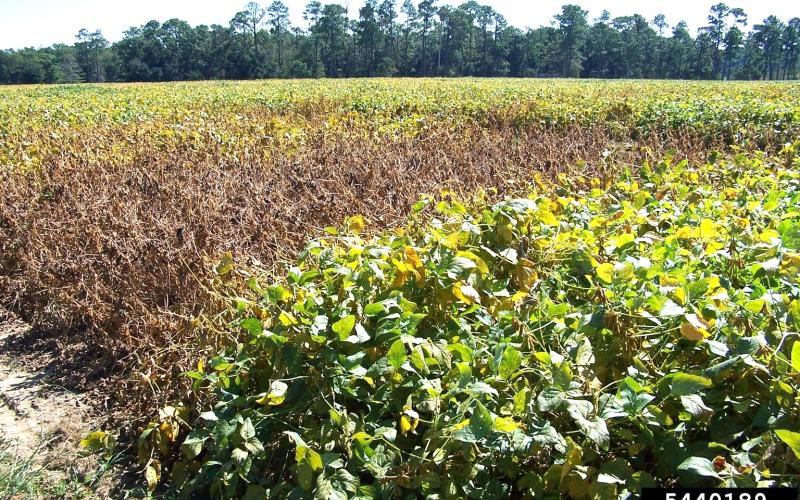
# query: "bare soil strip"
31,410
42,423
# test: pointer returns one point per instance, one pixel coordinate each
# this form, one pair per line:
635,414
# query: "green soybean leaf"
344,326
700,466
509,363
374,309
481,422
252,326
684,384
397,354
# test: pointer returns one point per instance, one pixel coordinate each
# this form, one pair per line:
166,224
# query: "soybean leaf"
481,422
344,326
684,384
700,466
397,354
791,438
509,363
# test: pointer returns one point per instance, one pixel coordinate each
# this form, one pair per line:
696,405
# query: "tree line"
419,39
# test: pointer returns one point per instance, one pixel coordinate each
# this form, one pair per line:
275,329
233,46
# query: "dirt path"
41,426
31,410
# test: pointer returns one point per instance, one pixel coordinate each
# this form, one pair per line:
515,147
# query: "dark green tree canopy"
425,38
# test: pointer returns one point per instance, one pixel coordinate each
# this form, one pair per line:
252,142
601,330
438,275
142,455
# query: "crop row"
38,124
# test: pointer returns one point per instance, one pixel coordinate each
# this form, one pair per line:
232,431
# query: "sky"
38,23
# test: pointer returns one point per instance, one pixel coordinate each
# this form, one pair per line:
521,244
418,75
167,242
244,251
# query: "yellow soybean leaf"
480,264
356,224
400,279
461,424
692,333
605,272
526,276
409,421
99,441
624,240
466,293
680,296
790,265
769,236
412,257
405,424
452,241
225,264
401,266
276,395
685,233
708,230
287,319
153,475
693,328
361,437
791,438
755,306
169,431
505,424
548,218
626,271
519,297
597,222
796,356
713,247
667,280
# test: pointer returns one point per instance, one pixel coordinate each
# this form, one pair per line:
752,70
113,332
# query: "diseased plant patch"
581,342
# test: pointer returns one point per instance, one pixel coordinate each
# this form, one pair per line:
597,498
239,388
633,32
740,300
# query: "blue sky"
36,23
